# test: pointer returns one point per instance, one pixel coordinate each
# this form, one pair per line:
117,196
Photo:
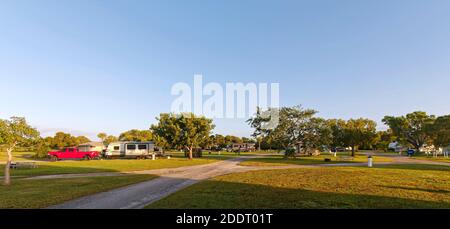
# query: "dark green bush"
42,150
290,153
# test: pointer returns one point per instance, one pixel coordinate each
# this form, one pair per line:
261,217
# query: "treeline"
61,140
298,126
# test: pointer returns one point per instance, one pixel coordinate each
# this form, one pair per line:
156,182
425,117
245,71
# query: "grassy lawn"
67,167
226,154
438,159
17,156
281,161
43,193
396,186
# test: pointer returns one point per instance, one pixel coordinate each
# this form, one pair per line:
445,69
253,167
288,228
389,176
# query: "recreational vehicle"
134,150
92,146
242,147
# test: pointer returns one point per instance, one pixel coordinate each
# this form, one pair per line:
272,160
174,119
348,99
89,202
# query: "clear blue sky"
87,66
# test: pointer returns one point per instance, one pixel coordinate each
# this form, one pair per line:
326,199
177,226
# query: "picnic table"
23,165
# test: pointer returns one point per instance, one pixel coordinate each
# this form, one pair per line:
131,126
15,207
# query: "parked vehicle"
73,153
242,147
133,150
92,146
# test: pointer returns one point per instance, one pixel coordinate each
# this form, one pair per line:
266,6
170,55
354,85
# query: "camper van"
130,150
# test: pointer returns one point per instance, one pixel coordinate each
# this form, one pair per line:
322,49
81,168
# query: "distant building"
301,150
92,146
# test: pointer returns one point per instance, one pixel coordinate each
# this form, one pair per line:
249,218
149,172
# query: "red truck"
73,153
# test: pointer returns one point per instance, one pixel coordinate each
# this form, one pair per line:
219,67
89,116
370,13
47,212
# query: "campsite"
224,113
310,174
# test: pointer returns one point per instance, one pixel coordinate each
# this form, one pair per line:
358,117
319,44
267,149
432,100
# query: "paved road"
142,194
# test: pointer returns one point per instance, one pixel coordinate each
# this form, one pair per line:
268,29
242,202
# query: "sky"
90,66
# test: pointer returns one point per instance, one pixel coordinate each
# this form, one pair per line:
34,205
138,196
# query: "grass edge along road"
279,160
387,186
24,194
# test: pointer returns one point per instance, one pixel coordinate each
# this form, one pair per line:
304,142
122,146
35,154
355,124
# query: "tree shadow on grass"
228,195
440,191
421,167
297,161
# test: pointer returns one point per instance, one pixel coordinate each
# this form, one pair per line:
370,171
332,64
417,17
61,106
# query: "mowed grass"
226,154
279,160
396,186
23,194
94,166
17,156
436,159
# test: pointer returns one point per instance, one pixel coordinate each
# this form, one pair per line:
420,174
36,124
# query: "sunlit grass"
397,186
430,158
281,161
43,193
17,156
94,166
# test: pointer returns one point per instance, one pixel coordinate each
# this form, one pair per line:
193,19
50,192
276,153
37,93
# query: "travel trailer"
242,147
130,150
92,146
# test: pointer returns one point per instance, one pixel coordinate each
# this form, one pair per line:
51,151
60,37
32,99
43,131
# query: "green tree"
102,136
268,144
248,140
230,139
185,131
296,125
136,136
317,134
61,140
110,139
336,127
42,148
15,132
162,142
441,131
257,123
383,139
357,132
292,126
219,141
81,140
413,129
107,139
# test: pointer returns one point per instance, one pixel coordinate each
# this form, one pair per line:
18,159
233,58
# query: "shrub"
290,153
42,150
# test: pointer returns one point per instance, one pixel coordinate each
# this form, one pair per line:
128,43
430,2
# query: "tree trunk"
191,155
418,148
416,145
7,176
353,151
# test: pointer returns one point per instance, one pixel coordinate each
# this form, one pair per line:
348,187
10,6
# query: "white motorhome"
396,147
134,150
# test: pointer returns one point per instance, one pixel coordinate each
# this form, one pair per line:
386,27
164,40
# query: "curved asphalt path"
142,194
